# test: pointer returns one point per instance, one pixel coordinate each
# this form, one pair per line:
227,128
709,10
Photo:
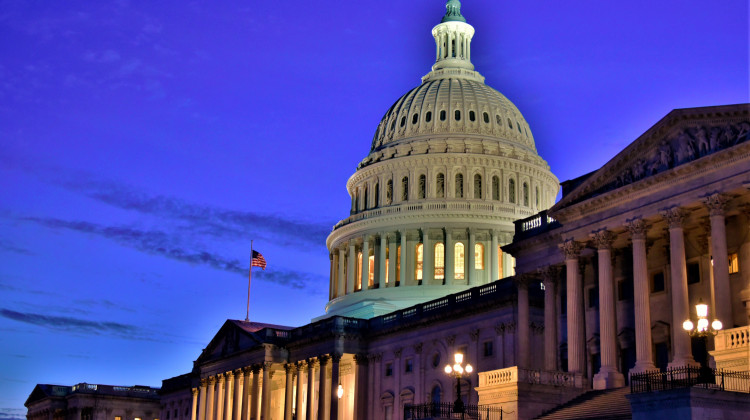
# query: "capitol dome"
451,166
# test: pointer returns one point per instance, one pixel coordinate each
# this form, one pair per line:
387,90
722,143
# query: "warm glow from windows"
478,257
419,256
459,261
371,270
387,263
439,261
734,266
398,264
358,283
499,263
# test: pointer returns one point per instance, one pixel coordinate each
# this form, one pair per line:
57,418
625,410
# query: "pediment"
681,137
230,338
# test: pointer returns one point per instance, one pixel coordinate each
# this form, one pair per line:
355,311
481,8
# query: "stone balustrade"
514,374
732,349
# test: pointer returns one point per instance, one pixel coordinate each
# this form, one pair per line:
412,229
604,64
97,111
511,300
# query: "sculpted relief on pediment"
677,148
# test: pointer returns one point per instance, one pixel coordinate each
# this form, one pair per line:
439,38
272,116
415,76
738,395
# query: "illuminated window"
419,258
358,283
512,190
499,262
458,257
479,256
440,187
495,188
137,418
477,186
459,186
439,261
525,194
371,271
118,417
734,266
387,263
398,265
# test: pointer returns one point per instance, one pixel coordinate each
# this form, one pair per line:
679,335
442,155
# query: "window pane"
439,261
459,261
418,265
478,256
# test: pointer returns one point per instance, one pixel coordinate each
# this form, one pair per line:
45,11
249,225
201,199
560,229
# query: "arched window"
405,188
477,186
495,188
358,283
459,186
440,186
457,115
371,271
442,115
435,397
472,116
510,124
458,261
499,262
365,202
398,266
497,119
428,116
422,186
512,190
519,127
525,194
377,195
537,197
419,258
389,192
415,118
478,256
403,121
486,117
439,261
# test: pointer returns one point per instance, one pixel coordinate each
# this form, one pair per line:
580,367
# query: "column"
397,367
494,272
322,391
299,409
365,262
310,388
228,395
360,387
220,383
380,278
450,269
716,204
239,379
608,376
290,369
332,287
351,275
576,355
641,305
428,252
402,274
265,395
247,393
469,254
418,386
522,342
194,411
334,404
549,275
254,397
342,272
392,257
211,395
681,348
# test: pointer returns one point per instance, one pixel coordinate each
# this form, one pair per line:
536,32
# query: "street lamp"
457,371
701,328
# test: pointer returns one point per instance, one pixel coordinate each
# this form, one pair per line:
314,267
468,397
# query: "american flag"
258,260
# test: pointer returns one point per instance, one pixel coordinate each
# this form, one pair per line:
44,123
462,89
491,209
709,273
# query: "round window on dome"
472,116
428,116
442,115
415,118
486,117
457,115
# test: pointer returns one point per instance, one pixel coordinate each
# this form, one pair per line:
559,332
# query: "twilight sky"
144,144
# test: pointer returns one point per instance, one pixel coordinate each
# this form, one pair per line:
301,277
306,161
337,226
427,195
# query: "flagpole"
249,278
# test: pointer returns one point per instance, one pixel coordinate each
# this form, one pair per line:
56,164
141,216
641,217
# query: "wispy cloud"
7,246
65,323
161,243
12,414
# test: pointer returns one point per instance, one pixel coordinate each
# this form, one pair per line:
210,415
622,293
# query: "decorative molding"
637,228
602,239
675,216
716,203
571,249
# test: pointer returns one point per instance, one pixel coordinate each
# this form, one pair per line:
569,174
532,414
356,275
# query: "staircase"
609,404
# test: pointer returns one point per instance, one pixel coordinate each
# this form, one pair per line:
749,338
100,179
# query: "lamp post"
701,328
457,371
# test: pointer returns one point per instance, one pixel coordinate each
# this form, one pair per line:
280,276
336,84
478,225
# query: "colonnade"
395,262
609,374
309,391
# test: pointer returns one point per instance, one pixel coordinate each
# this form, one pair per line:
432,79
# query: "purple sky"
144,144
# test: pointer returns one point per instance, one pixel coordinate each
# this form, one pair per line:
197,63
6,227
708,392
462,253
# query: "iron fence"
446,411
689,376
